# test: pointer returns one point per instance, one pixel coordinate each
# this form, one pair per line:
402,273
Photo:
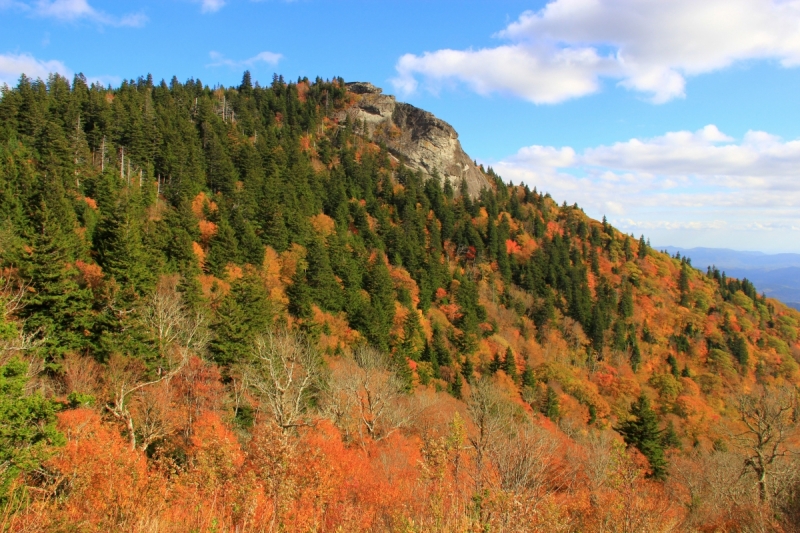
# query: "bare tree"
524,459
492,416
768,416
171,323
285,373
179,333
365,397
16,340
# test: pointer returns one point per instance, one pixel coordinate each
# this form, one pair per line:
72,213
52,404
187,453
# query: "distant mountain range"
777,275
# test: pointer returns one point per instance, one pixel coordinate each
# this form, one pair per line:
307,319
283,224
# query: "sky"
678,119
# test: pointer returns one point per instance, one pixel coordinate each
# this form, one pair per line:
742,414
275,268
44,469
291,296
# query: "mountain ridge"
239,308
777,275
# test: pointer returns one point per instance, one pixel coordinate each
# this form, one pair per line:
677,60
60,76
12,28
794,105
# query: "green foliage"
243,313
27,426
549,405
641,431
738,347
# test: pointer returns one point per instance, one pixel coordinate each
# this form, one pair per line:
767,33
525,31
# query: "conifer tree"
378,284
510,365
58,306
641,431
325,290
550,405
683,285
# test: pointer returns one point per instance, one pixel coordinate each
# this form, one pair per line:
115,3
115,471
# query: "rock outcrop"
414,136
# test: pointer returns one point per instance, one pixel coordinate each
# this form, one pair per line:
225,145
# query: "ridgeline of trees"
226,309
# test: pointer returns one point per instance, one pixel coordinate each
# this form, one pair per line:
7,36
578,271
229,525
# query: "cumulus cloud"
73,10
12,66
218,60
210,6
564,50
703,181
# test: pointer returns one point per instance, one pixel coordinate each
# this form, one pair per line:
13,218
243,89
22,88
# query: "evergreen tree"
673,366
27,426
510,365
378,284
642,248
325,290
242,314
550,405
636,357
468,370
683,285
641,431
738,347
59,307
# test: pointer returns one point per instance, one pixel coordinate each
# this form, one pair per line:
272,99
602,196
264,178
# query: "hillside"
776,275
302,307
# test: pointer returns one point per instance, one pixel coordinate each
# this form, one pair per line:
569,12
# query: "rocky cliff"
416,137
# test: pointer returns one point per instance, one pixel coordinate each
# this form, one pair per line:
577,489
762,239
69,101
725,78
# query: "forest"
226,309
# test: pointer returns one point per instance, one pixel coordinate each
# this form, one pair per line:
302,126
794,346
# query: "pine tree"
496,364
58,306
636,357
468,370
510,365
550,405
456,385
121,252
683,285
224,249
641,431
642,248
673,366
325,290
378,284
528,378
242,314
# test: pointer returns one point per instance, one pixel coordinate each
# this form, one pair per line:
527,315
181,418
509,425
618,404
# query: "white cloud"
651,46
73,10
210,6
704,182
218,60
12,66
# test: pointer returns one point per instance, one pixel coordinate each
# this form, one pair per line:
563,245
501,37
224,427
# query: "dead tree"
769,419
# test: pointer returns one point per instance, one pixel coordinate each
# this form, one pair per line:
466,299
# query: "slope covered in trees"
224,309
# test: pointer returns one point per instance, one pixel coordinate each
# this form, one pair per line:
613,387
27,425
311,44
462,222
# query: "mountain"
422,141
777,275
302,307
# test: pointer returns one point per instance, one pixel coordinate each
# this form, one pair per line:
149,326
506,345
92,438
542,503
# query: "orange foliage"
512,247
207,231
233,272
403,280
528,245
323,224
305,143
290,259
336,333
107,483
91,275
271,274
199,203
199,253
213,288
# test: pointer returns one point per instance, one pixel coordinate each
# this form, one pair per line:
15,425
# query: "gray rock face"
414,136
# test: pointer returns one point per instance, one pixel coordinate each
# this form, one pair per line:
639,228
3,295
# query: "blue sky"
678,119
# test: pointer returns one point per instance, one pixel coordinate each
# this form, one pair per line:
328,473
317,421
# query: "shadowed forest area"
225,310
